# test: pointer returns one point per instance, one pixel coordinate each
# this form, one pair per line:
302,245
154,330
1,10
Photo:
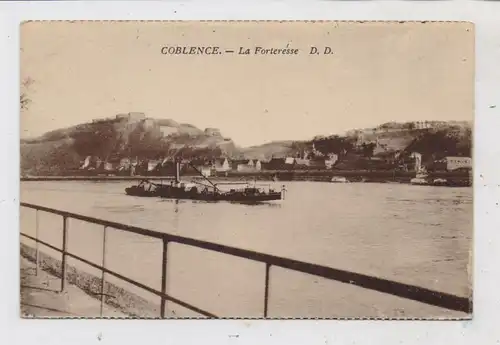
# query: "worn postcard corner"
281,170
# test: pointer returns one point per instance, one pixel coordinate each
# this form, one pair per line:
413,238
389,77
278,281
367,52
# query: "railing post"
103,296
37,250
64,250
163,277
266,291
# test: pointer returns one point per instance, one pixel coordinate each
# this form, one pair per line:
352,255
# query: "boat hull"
440,183
232,198
134,191
172,193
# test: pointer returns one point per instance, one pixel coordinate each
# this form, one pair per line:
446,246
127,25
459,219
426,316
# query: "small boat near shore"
421,179
339,179
440,182
244,192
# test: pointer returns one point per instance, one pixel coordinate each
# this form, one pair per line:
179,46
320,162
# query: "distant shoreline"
298,175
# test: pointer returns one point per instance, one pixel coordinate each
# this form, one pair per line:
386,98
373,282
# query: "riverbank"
41,297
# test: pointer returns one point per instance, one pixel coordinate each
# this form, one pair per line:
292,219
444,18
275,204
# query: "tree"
411,125
464,145
298,148
334,144
442,143
367,150
24,100
99,140
25,88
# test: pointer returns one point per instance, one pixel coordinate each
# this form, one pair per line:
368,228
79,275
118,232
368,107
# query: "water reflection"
245,203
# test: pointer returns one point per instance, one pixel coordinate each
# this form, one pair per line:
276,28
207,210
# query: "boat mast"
203,176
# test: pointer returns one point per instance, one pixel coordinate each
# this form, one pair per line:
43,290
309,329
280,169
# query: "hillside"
133,135
388,146
49,158
276,149
126,135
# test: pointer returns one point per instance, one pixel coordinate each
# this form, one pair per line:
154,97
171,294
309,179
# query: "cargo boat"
209,191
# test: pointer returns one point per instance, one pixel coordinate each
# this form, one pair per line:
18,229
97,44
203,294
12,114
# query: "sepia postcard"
246,169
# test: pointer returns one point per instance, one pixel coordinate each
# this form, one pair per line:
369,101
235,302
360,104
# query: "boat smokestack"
177,171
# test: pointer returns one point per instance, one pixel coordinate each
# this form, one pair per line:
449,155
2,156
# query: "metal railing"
410,292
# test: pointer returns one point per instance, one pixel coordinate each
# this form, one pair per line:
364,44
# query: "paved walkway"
40,297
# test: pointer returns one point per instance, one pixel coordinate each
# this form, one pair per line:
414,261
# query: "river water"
419,235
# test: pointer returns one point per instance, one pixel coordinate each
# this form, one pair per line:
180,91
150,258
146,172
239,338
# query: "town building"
205,170
202,166
167,127
108,166
222,165
86,163
257,165
131,117
168,130
125,163
149,123
454,163
176,146
422,125
247,165
302,162
106,119
213,132
152,164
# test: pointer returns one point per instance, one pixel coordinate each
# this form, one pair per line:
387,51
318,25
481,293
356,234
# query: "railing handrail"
122,277
407,291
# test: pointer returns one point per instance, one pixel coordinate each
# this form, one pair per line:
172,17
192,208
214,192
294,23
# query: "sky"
378,72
